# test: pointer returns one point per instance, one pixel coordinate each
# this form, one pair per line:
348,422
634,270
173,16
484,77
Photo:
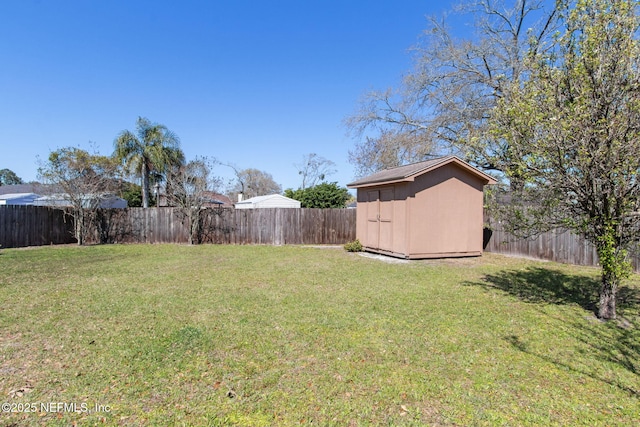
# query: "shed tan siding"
446,214
433,213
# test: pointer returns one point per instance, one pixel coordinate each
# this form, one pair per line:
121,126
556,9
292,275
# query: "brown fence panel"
34,226
140,225
556,245
340,226
294,226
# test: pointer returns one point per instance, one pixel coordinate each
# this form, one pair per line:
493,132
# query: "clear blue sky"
255,83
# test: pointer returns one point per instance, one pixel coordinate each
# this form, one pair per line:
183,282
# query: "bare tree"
445,103
389,149
252,182
314,169
189,188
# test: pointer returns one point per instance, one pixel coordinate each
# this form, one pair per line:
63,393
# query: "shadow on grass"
611,342
603,342
548,286
545,286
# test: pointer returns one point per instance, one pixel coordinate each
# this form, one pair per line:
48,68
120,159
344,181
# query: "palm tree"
151,151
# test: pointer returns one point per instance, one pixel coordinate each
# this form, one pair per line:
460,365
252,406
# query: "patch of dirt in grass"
384,258
462,262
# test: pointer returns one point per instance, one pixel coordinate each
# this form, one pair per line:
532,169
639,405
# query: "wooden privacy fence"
39,225
228,226
556,245
36,225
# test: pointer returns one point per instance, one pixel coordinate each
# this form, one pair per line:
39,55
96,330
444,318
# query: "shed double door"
380,219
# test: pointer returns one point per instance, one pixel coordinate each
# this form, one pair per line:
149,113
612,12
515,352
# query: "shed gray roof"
407,172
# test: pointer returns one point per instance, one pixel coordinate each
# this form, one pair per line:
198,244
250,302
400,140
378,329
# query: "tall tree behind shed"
445,104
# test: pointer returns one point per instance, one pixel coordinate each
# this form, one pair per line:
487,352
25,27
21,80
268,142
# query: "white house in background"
105,201
270,201
18,198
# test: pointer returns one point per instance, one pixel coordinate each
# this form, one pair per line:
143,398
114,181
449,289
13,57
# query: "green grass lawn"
260,336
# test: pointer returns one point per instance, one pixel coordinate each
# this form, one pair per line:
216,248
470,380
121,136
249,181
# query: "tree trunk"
191,230
79,229
607,307
145,186
194,223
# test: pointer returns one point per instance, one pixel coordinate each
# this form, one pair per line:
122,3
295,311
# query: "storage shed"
431,209
269,201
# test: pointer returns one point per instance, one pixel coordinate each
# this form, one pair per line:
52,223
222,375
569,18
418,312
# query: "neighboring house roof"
210,199
218,199
409,172
105,201
269,201
18,198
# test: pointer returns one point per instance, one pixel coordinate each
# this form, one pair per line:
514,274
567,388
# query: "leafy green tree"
323,195
576,115
83,178
8,177
149,152
132,193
